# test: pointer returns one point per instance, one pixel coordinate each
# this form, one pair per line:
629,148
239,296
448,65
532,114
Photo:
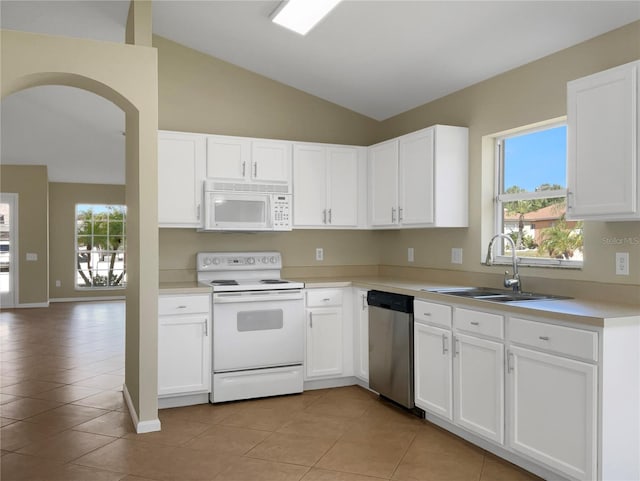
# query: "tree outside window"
100,246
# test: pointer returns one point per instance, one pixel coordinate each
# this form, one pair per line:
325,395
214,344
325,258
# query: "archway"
127,76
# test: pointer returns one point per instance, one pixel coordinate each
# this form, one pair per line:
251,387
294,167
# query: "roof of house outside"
550,212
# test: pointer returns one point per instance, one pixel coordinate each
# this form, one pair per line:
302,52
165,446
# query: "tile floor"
63,418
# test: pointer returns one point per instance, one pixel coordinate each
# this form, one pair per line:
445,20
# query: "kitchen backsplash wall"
348,253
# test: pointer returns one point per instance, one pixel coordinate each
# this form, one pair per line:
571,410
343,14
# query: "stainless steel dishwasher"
391,346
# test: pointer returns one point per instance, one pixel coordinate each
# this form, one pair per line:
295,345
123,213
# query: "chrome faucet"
513,281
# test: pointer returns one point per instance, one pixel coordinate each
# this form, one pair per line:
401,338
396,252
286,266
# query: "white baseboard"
87,299
141,426
328,383
179,401
31,305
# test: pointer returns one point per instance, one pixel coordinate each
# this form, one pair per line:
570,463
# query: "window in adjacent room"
531,198
100,246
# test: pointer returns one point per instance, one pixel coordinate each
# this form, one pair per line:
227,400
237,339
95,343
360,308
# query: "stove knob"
265,260
216,261
273,260
207,261
251,260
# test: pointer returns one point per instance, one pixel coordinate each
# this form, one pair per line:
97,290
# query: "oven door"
257,329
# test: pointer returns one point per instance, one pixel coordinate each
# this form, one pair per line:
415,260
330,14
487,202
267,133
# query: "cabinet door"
228,158
184,354
342,169
416,205
552,415
309,186
361,319
181,164
479,386
603,172
383,184
433,369
270,161
324,342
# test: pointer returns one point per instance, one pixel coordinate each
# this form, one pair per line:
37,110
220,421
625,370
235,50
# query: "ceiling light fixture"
302,15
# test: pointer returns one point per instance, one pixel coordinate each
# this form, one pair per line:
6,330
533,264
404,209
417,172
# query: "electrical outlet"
32,256
58,283
319,254
622,263
410,257
456,255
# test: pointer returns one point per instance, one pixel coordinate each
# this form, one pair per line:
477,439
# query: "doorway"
8,249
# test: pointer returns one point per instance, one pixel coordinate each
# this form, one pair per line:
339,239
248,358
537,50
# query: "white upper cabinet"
181,170
603,175
239,159
326,185
420,179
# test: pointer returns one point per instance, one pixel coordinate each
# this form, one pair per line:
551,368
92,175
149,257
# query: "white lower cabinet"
361,334
324,332
184,345
433,370
553,404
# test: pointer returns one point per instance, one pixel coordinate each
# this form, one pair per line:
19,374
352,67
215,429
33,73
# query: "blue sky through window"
536,158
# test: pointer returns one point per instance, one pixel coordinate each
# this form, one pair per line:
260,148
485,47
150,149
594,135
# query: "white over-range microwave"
246,207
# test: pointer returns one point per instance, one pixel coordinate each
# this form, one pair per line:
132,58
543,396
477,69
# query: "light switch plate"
319,254
456,255
32,256
410,256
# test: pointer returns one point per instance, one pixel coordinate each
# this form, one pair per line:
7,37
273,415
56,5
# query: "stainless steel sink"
493,295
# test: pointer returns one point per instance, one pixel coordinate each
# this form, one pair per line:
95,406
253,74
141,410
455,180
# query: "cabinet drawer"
324,297
169,305
559,339
491,325
437,314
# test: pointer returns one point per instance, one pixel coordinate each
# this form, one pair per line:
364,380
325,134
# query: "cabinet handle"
181,307
364,301
329,216
198,212
206,328
456,343
393,214
324,216
426,314
244,168
400,210
326,299
311,320
543,338
255,170
569,198
475,323
509,361
445,348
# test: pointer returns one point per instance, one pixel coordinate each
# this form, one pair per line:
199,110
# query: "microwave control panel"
281,212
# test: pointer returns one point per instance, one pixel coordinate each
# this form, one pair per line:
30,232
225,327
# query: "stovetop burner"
225,282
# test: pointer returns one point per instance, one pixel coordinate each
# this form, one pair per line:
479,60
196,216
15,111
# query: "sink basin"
493,295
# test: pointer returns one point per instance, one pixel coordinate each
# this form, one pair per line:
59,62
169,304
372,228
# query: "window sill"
547,263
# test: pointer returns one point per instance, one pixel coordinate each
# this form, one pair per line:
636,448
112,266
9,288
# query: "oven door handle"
257,296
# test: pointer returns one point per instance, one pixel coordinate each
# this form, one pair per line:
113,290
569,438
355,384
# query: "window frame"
102,252
500,198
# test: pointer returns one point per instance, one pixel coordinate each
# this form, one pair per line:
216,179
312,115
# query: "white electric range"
258,325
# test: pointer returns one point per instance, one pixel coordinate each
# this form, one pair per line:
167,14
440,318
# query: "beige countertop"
582,311
184,288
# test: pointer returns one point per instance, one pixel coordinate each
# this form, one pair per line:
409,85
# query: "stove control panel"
224,261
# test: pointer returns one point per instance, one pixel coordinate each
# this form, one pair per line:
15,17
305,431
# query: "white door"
383,184
552,411
309,186
181,171
324,342
271,161
184,360
342,166
602,165
228,158
416,205
433,370
8,249
478,392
